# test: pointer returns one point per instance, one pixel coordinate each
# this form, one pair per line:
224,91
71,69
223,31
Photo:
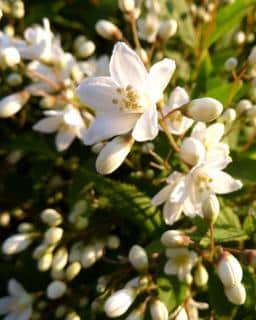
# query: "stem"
250,141
212,244
135,35
169,135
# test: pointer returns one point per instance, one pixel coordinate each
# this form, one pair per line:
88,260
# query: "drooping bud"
60,259
201,276
9,57
16,243
229,270
53,235
236,294
192,151
108,30
167,29
202,109
211,208
138,258
230,64
119,302
174,238
51,217
126,5
113,154
158,310
11,104
56,289
229,115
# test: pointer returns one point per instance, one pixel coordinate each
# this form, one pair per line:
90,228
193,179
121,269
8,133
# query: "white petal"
48,125
113,154
223,183
172,212
159,76
63,139
170,268
146,127
109,125
15,288
5,304
99,93
72,117
218,152
26,314
179,127
177,98
199,131
11,316
161,196
179,192
215,132
126,68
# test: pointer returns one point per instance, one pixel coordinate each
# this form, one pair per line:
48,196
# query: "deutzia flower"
176,122
186,193
189,311
68,122
126,101
180,262
18,305
148,27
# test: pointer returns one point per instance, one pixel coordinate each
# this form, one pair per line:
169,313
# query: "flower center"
181,260
203,181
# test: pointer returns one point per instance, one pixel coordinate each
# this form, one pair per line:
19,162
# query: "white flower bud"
16,243
25,227
119,302
53,235
9,57
240,38
136,315
243,106
42,249
85,49
174,238
113,242
203,109
56,289
158,310
88,256
11,104
201,276
187,278
5,219
60,259
51,217
192,151
252,56
108,30
73,270
211,208
18,9
138,258
167,29
126,5
72,316
236,294
229,270
229,115
14,79
230,64
113,154
45,262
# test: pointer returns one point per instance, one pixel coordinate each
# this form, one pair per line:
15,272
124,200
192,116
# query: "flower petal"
63,139
73,117
172,212
5,304
109,125
126,68
215,132
223,183
99,93
159,76
177,98
15,288
146,128
48,125
11,316
26,314
162,195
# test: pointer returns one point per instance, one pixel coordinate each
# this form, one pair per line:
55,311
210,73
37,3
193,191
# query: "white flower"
177,123
12,104
167,29
18,305
148,27
68,122
180,262
189,311
125,101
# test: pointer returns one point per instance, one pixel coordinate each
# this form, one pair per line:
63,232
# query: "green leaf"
228,17
243,168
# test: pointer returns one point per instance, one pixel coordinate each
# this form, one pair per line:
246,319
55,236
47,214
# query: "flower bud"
230,64
167,29
192,151
243,106
138,258
137,314
119,302
72,316
229,270
60,259
73,270
56,289
252,56
53,235
236,294
108,30
126,5
229,115
113,242
85,49
113,154
88,256
51,217
9,57
16,243
11,104
158,310
174,238
25,227
203,109
211,208
240,38
201,276
45,262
